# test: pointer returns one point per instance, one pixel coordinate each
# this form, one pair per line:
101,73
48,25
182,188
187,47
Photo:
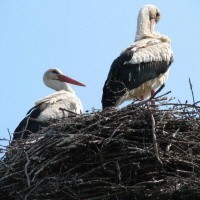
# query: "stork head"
56,80
154,16
148,16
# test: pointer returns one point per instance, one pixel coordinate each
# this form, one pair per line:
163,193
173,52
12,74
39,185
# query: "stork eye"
157,14
55,72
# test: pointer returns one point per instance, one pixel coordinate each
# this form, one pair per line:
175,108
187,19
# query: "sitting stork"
62,103
142,67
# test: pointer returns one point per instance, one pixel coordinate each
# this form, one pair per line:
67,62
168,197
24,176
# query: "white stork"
62,103
143,66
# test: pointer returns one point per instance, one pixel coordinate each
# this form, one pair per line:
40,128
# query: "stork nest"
138,152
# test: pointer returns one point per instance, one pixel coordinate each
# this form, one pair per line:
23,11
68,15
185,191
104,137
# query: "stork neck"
143,25
57,85
62,86
68,88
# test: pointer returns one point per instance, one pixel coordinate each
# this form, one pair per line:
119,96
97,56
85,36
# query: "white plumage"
148,50
62,103
57,105
143,66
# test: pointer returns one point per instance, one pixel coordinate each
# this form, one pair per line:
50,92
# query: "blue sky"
82,38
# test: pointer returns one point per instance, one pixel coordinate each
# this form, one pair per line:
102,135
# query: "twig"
1,161
9,135
63,109
151,182
111,136
153,96
25,128
169,145
32,190
191,88
26,169
159,89
163,95
119,172
154,138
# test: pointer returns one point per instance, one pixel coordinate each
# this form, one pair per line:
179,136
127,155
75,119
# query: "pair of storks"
138,71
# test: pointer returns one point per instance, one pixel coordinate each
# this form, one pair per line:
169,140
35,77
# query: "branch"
26,169
154,138
191,88
69,111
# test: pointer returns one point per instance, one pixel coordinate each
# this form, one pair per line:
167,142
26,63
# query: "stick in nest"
154,138
153,96
63,109
26,169
191,88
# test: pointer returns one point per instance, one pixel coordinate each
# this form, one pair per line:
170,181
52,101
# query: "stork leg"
152,93
152,102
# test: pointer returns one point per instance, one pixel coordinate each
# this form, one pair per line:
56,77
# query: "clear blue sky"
82,38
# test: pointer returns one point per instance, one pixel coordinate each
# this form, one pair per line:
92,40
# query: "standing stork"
62,103
142,67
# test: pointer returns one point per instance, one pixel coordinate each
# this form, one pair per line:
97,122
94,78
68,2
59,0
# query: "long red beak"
67,79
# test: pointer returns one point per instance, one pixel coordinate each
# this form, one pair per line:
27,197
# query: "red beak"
67,79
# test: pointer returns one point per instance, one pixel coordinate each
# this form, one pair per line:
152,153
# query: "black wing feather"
125,76
28,125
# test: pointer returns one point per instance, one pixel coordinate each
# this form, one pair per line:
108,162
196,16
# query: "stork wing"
46,109
134,67
58,105
28,125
